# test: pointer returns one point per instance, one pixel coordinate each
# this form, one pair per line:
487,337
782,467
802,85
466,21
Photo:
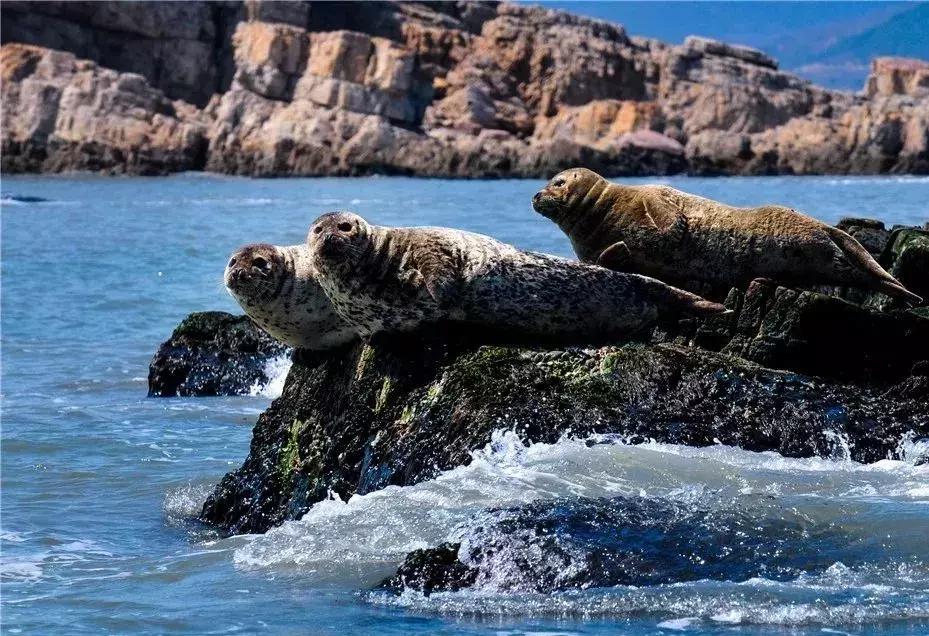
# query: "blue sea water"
100,484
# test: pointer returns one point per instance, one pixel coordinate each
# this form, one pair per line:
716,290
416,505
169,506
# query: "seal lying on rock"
701,244
385,280
277,288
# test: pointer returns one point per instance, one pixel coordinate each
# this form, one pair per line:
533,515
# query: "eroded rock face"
898,76
61,113
182,48
468,90
212,353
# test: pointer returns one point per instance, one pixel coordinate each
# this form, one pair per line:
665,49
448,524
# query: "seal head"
278,289
339,241
256,273
568,193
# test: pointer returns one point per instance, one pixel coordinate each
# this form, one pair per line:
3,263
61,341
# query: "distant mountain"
904,34
830,43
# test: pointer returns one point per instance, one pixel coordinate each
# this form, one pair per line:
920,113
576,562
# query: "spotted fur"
277,288
385,280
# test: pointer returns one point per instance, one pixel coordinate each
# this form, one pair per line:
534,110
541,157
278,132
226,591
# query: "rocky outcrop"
888,132
898,76
212,353
61,113
181,48
791,371
455,89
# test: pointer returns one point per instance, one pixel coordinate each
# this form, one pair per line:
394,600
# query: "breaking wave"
835,524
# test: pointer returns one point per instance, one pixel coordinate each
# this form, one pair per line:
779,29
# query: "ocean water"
100,485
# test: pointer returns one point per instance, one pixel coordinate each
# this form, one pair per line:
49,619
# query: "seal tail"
862,261
685,303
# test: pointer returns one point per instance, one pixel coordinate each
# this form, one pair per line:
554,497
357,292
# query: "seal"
277,288
387,280
703,245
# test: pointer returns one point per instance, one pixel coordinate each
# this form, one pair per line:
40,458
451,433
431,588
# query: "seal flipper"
859,258
440,279
616,257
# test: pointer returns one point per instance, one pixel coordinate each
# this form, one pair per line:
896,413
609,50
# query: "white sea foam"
276,370
186,501
360,541
836,597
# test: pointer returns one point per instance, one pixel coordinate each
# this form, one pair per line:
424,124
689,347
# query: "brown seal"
387,280
277,288
703,245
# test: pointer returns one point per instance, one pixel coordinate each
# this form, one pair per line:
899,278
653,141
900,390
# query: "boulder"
213,353
907,254
824,335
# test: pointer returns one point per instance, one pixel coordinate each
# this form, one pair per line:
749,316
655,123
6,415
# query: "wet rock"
581,543
871,233
907,253
431,570
212,353
823,335
400,411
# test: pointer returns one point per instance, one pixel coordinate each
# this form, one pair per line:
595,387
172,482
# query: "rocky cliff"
439,89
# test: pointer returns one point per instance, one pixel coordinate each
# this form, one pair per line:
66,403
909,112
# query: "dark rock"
560,544
434,569
871,233
396,413
823,335
908,251
212,353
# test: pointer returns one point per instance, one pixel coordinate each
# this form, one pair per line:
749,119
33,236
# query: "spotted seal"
387,280
277,288
703,245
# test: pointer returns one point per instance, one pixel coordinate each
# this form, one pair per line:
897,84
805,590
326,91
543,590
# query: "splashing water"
276,370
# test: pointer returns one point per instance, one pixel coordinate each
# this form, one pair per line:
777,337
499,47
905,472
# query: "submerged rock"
560,544
212,353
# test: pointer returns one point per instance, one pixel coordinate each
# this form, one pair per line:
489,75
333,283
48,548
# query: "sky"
830,42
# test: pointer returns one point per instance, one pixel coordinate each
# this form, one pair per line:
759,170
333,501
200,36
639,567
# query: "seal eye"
558,183
259,262
232,262
345,227
318,229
